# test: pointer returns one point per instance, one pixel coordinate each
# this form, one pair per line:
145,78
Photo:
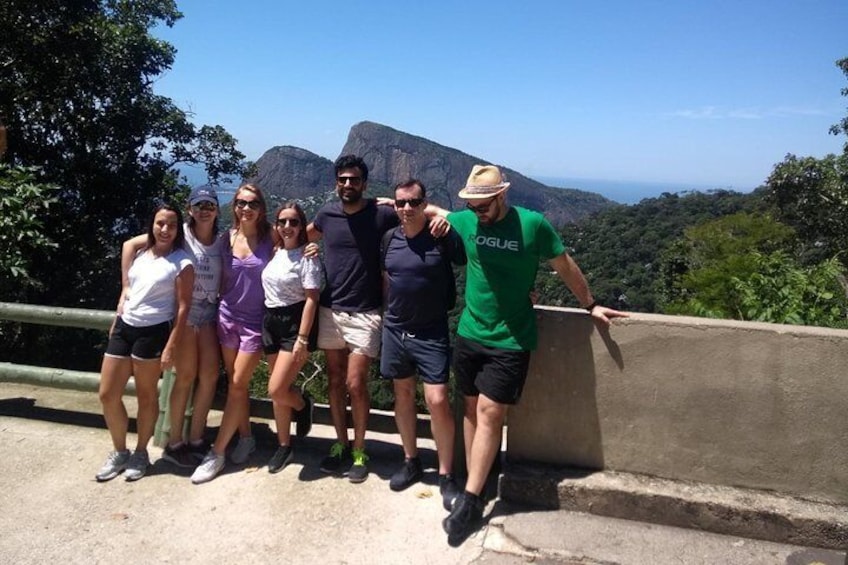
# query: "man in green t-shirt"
497,328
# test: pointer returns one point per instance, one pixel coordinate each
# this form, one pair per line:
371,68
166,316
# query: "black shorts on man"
145,343
424,352
499,374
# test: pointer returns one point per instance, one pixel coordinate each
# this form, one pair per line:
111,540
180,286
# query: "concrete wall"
753,405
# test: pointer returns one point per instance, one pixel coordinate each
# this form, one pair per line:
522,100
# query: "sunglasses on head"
480,209
205,206
354,181
252,204
413,202
293,222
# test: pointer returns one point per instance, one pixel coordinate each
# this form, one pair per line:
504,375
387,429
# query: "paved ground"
52,509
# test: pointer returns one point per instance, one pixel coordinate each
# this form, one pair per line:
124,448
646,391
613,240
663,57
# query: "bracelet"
591,306
302,341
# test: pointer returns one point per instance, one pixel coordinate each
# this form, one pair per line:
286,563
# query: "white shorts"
357,331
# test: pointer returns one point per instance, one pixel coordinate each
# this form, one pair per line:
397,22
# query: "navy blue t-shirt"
417,278
352,254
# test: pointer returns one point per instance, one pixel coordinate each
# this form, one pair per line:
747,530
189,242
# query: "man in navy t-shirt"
349,318
420,291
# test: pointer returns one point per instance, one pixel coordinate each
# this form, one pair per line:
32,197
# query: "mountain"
293,173
394,156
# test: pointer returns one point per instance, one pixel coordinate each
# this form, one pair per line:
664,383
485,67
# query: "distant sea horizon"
631,192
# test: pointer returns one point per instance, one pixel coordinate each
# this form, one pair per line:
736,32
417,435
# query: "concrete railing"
752,405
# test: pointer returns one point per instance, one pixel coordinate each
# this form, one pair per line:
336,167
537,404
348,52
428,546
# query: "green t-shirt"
502,262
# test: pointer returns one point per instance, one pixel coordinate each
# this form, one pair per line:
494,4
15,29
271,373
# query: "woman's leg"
185,366
237,408
208,363
114,374
146,378
283,375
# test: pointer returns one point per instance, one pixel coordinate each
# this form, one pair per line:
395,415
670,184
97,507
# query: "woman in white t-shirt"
291,283
198,354
152,313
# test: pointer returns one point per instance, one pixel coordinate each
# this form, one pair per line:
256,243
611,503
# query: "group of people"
389,285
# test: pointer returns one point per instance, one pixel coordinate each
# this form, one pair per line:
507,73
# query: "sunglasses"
413,202
482,208
252,204
354,181
205,206
293,222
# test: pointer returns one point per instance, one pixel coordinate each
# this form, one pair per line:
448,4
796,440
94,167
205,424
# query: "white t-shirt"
152,296
207,267
287,275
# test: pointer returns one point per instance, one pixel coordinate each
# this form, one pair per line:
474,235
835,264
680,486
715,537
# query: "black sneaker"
466,514
303,417
359,470
198,450
282,457
337,460
179,456
449,490
410,473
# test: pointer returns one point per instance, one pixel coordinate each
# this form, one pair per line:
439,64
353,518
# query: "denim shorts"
426,353
202,313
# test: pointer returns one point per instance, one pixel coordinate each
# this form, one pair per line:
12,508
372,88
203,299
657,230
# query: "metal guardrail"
379,420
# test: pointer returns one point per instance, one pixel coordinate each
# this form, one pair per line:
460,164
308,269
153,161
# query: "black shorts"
426,353
144,343
500,374
280,327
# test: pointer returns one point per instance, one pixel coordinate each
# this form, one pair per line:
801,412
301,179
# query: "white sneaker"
115,463
244,447
137,466
209,468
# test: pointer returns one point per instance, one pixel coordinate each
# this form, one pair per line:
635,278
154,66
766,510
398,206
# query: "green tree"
23,203
741,267
811,195
76,95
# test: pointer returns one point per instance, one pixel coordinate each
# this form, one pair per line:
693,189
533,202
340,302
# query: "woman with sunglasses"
292,284
152,313
197,352
247,249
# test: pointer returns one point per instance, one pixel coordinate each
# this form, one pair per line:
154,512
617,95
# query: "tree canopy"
77,99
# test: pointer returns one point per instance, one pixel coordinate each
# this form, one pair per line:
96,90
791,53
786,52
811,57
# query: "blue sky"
700,94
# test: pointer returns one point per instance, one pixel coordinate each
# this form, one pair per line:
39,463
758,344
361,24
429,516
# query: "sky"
687,93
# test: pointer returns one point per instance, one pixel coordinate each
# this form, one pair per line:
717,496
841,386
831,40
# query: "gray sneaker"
137,465
115,463
210,467
244,447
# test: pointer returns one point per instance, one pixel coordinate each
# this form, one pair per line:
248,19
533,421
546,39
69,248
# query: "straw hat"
485,181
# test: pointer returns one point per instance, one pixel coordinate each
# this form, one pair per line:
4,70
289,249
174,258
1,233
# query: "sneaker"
210,467
137,465
465,515
115,463
303,417
449,490
179,456
335,461
282,457
198,450
244,447
358,471
411,472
